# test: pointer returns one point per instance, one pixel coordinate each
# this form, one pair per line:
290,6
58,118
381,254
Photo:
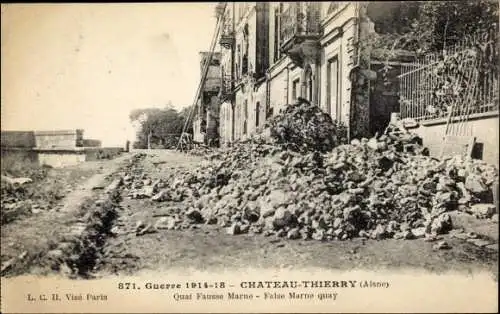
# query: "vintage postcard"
250,157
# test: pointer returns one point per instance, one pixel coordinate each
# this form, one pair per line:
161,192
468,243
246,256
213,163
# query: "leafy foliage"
426,26
467,76
165,126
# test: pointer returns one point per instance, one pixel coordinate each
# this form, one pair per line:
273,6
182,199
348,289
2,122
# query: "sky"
88,65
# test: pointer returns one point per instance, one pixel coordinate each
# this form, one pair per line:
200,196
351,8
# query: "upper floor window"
277,32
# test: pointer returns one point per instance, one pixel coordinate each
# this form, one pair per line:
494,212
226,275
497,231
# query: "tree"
429,26
165,126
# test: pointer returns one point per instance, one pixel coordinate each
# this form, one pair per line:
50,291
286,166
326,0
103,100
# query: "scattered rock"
167,223
7,265
493,247
293,234
419,232
160,196
479,242
234,229
195,216
442,245
483,211
55,254
442,224
474,184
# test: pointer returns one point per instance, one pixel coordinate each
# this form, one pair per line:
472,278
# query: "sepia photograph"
257,157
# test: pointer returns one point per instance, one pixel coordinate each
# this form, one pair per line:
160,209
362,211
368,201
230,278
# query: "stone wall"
484,128
58,159
59,139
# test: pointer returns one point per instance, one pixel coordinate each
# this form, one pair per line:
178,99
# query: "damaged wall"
485,129
360,93
213,119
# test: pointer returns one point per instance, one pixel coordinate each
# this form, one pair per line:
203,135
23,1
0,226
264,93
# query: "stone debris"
483,211
15,181
116,183
479,242
304,183
201,150
493,247
442,245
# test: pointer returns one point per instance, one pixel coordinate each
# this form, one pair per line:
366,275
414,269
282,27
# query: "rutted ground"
27,241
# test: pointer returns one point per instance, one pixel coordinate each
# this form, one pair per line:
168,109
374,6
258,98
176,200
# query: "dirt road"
206,247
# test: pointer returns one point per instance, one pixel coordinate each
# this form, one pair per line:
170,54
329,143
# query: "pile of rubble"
200,150
304,127
21,196
383,187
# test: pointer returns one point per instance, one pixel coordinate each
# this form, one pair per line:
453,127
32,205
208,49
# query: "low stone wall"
483,127
61,158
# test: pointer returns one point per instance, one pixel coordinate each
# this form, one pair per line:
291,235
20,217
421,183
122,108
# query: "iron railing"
458,82
300,19
227,35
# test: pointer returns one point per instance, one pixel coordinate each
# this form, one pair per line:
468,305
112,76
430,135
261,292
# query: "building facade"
272,53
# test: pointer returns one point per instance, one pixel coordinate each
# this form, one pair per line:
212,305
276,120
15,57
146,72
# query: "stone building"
272,52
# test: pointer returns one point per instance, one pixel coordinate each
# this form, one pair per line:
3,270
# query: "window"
309,84
276,35
277,32
332,93
238,63
257,112
244,65
245,108
245,116
295,86
238,119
